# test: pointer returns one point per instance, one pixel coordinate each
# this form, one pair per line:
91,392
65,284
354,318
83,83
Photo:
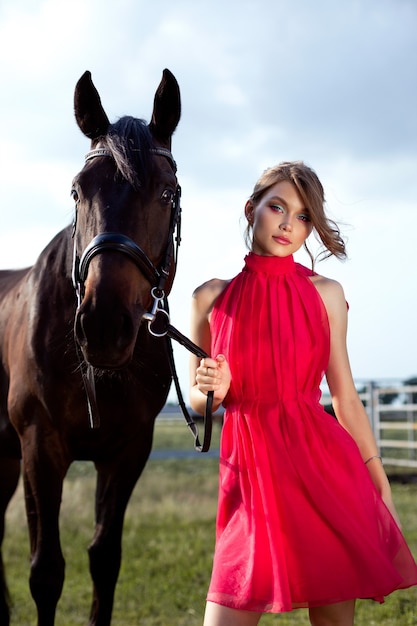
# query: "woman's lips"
282,240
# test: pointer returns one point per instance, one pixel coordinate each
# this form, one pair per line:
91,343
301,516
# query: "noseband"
158,317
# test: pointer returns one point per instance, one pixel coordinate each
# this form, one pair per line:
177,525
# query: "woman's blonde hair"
310,189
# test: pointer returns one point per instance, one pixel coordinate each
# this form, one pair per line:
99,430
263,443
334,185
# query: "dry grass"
167,542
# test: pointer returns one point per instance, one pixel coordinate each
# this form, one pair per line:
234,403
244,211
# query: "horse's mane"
130,141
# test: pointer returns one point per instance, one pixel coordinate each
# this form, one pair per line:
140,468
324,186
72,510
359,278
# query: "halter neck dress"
299,523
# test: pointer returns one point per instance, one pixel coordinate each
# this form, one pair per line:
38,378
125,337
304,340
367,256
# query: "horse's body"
129,190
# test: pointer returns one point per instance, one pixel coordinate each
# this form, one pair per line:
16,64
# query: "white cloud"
331,83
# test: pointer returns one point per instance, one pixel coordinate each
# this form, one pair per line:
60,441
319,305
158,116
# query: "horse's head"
127,206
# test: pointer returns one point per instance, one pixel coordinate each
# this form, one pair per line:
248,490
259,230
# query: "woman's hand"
214,375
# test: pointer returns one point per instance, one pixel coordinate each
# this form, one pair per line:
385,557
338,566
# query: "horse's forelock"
130,141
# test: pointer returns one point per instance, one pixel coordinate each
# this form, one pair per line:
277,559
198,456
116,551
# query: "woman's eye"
277,207
304,218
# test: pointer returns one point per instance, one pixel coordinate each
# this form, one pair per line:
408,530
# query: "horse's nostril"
106,336
126,329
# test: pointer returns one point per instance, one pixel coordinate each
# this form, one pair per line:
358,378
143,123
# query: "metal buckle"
157,318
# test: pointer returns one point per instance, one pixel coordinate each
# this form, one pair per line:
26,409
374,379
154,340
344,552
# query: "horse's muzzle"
107,340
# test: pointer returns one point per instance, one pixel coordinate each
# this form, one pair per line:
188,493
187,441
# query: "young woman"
305,515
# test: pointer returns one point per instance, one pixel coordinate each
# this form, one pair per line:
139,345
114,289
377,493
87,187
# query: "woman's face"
280,221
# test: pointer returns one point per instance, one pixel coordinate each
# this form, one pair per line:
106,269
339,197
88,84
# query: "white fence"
392,411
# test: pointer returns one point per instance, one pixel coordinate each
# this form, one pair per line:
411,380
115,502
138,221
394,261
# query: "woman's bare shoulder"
325,284
331,292
206,294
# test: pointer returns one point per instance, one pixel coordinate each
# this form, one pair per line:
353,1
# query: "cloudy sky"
332,83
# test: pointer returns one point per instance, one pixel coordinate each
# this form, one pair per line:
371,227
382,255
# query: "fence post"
374,411
411,432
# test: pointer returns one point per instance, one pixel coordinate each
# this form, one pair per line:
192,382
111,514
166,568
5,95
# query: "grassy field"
167,547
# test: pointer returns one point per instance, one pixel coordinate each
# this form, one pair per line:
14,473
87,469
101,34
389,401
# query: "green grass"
167,545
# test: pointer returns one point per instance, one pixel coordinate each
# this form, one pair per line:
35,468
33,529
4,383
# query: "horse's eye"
167,196
74,195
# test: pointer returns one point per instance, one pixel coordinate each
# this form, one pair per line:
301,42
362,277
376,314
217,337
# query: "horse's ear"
166,108
89,113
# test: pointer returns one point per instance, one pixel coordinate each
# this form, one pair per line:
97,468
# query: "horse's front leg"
43,473
115,482
9,477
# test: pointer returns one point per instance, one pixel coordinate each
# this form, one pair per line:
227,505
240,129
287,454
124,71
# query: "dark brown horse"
69,362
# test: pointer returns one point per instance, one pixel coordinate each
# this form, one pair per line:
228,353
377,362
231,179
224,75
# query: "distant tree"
329,409
412,381
387,398
384,398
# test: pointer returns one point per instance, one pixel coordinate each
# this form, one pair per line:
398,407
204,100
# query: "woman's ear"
249,209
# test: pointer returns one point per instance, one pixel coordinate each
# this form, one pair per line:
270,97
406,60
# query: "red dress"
300,523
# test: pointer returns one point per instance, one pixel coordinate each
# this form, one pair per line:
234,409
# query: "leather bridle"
158,317
125,245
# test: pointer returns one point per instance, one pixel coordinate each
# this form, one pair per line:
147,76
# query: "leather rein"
158,316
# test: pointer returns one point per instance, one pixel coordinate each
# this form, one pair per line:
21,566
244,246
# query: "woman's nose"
286,225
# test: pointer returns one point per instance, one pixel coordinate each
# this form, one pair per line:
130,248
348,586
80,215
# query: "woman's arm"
347,405
209,374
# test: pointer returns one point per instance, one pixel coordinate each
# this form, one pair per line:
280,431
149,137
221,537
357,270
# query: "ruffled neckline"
273,265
